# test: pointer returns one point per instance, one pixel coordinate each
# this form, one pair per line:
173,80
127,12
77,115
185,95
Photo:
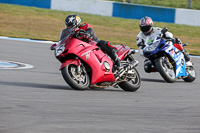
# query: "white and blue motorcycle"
167,59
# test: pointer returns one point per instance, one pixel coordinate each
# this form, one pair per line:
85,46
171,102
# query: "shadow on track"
106,89
48,86
35,85
153,80
162,80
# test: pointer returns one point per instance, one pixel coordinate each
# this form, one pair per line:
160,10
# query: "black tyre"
192,74
165,68
78,81
133,83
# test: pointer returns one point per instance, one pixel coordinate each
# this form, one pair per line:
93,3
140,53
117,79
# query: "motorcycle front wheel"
79,80
133,82
192,74
165,68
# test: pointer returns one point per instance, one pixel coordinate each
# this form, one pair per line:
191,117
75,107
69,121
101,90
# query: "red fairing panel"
90,54
95,59
70,61
178,46
122,51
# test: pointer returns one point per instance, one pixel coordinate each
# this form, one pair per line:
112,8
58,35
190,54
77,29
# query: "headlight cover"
152,47
60,49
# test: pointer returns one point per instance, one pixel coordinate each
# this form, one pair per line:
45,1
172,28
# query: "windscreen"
152,41
66,34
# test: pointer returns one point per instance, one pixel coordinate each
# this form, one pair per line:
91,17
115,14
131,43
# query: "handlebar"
164,30
82,35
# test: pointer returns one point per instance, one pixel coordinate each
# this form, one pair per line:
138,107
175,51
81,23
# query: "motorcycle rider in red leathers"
146,27
72,22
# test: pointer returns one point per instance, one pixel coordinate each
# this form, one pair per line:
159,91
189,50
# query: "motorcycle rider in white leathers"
146,27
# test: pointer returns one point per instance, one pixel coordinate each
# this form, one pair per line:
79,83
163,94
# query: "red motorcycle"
85,65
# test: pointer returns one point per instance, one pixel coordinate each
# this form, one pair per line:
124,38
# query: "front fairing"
155,48
60,48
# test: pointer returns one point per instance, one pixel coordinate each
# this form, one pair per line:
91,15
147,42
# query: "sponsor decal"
87,54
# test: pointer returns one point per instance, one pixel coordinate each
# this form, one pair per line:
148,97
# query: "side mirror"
53,47
164,30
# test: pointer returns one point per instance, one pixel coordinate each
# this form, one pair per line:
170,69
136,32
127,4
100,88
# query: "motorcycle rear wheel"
133,84
78,81
164,69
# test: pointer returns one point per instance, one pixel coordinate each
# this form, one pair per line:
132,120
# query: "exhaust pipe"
130,66
133,64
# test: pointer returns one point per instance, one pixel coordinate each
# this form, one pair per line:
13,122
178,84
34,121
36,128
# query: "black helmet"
146,25
72,21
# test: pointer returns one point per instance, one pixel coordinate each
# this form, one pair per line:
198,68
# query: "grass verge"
46,24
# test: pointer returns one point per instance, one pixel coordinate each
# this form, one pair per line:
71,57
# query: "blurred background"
116,21
190,4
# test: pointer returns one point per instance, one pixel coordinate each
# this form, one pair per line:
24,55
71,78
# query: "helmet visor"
70,25
146,29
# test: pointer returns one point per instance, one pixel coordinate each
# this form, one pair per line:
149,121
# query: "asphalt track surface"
38,100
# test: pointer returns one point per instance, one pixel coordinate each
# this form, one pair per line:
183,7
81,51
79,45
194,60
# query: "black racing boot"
147,66
117,62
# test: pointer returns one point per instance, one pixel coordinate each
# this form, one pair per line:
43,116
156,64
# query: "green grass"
45,24
166,3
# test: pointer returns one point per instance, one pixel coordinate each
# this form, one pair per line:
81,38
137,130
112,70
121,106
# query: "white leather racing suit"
141,37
